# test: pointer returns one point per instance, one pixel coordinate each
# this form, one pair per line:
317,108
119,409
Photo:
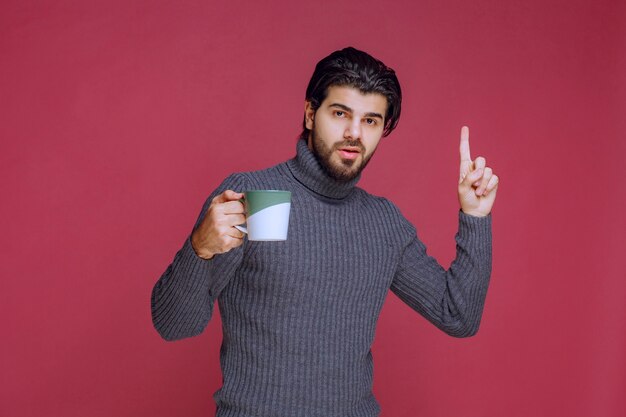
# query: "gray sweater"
298,317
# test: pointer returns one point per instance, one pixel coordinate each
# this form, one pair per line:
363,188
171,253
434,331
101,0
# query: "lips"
349,152
350,149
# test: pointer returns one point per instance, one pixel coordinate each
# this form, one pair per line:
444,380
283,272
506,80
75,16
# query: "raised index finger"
464,147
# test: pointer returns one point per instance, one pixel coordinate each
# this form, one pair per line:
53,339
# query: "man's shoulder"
268,172
376,201
252,178
382,210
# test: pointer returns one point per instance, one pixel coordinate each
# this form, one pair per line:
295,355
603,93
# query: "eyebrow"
348,109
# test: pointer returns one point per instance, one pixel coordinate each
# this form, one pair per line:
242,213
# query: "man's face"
345,130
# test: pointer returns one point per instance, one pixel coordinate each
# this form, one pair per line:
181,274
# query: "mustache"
350,143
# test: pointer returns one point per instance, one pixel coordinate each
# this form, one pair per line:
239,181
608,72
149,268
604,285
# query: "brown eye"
339,113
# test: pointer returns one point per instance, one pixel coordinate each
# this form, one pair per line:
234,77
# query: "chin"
344,173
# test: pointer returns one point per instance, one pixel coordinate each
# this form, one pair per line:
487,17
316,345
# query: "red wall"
118,118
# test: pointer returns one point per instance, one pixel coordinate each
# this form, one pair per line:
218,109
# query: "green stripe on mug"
257,200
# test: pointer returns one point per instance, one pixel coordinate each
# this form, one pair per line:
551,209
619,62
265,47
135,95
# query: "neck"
307,170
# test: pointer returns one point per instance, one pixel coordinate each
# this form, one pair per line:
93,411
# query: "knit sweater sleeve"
182,299
452,300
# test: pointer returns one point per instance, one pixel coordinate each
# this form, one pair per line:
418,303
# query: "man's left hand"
477,182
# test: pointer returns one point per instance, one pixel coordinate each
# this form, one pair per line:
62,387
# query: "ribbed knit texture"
299,316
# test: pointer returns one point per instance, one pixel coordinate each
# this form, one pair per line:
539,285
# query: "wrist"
474,213
200,252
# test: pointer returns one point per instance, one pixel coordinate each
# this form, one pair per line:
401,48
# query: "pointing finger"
464,147
464,150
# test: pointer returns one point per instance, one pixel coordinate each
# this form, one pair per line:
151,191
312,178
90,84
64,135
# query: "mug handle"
241,227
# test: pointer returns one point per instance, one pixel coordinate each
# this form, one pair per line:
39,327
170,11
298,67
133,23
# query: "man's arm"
183,297
452,300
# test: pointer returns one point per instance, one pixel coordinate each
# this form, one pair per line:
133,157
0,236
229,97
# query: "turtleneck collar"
308,171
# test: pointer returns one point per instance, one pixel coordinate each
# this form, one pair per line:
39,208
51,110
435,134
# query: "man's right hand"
217,234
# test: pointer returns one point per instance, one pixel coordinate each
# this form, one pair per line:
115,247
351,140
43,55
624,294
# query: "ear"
309,115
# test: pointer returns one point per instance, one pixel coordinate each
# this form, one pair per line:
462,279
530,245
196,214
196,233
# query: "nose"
353,130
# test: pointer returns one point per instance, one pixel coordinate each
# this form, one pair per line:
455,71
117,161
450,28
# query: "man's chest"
331,251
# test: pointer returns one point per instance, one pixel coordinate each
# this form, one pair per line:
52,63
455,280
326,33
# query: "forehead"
354,99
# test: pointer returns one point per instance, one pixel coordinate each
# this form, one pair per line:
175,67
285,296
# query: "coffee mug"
267,214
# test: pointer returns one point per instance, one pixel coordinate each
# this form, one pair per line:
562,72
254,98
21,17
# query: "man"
299,316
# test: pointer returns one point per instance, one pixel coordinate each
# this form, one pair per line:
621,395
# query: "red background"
118,118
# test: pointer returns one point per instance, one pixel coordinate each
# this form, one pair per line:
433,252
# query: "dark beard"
344,172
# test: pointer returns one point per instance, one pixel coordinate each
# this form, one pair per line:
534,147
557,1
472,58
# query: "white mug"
267,214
